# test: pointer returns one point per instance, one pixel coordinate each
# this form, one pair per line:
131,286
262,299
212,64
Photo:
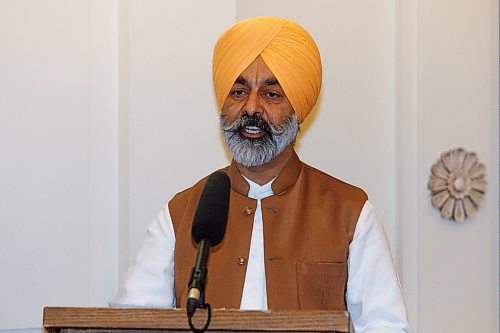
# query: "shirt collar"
257,191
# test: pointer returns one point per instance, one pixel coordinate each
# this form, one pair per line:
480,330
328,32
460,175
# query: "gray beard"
255,152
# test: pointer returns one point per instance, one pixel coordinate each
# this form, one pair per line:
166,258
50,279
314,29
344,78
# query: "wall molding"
407,153
103,157
123,138
494,170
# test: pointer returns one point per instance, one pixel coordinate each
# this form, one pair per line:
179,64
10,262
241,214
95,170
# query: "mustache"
254,120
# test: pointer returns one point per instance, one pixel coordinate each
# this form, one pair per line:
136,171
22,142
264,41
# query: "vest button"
242,260
247,210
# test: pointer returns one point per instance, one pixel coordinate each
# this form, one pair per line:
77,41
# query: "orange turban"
288,50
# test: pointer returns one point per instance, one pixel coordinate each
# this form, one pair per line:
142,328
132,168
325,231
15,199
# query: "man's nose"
253,105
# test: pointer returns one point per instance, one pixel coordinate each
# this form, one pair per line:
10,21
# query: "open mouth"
253,132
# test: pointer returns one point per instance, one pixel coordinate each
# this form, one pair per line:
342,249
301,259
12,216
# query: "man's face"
257,119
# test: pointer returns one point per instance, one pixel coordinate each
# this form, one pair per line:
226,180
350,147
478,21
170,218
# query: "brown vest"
309,223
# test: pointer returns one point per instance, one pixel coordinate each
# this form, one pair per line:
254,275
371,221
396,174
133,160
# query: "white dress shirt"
254,295
374,298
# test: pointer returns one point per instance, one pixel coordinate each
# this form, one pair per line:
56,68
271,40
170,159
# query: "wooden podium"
128,320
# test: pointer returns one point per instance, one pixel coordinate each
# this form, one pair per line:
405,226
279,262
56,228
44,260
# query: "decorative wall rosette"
457,184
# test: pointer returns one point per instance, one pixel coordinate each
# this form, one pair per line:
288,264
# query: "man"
296,237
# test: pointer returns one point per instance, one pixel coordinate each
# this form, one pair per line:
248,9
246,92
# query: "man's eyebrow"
272,82
241,80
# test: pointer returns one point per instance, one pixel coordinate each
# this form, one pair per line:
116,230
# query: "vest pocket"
321,285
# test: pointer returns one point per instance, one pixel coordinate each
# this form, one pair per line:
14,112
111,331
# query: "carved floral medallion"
457,184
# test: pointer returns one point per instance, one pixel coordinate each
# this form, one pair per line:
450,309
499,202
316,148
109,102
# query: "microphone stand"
196,293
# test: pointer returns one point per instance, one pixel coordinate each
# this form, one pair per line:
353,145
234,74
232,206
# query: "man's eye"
272,95
238,93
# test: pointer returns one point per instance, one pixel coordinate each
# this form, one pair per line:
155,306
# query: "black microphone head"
210,218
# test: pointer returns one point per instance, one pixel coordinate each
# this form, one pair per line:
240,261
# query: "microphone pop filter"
210,218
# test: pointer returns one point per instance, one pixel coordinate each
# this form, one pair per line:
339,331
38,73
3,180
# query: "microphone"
209,226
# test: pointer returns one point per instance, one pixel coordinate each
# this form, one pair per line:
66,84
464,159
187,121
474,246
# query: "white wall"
457,106
107,111
447,83
57,170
